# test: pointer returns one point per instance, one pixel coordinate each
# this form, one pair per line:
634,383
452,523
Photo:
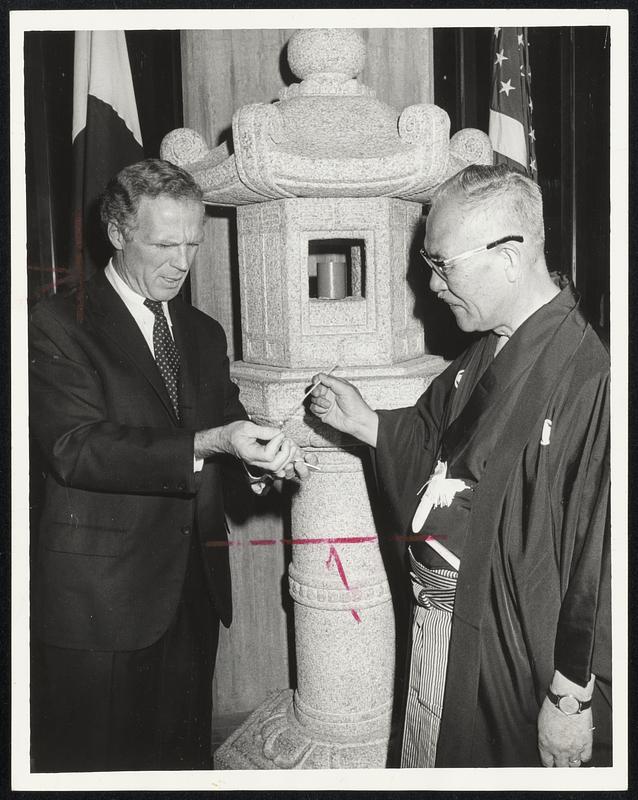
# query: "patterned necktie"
166,354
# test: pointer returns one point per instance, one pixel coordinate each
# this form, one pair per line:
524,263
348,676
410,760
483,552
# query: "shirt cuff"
561,684
198,463
260,484
261,487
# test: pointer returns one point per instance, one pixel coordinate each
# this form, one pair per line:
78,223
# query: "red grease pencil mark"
332,540
334,556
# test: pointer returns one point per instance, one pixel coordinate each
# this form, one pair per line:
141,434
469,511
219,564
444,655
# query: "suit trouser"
139,710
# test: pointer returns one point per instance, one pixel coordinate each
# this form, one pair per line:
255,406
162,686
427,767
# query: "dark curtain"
570,92
48,72
48,78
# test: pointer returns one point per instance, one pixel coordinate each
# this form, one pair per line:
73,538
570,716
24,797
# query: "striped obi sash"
432,587
431,626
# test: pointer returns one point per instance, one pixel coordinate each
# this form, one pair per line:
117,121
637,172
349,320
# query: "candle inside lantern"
331,279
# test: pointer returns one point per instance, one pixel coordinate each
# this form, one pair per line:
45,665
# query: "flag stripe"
511,131
508,137
102,69
81,71
106,138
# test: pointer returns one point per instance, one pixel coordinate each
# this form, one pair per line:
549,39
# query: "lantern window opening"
336,268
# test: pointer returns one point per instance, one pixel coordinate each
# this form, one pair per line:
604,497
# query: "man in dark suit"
135,413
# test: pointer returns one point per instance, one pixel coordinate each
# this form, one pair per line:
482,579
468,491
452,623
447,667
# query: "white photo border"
599,779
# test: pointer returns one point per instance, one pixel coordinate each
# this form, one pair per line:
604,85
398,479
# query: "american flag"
511,130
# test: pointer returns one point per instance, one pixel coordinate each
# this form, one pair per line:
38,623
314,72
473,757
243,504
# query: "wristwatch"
567,703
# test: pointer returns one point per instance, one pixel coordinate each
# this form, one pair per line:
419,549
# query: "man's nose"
180,258
437,284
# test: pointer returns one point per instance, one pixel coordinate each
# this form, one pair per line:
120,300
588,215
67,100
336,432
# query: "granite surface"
283,325
328,166
328,136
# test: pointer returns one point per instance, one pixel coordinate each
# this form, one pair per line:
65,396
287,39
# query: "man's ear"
116,237
513,260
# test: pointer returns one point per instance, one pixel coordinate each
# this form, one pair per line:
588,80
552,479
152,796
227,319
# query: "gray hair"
513,195
149,178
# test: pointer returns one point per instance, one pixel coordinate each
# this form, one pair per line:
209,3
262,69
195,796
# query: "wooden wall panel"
399,65
253,656
222,71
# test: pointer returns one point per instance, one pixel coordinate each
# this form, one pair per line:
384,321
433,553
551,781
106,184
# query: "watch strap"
555,699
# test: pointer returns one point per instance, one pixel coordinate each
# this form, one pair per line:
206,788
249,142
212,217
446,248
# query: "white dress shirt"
144,318
135,303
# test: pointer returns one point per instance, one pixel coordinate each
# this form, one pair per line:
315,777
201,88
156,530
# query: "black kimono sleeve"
582,493
407,445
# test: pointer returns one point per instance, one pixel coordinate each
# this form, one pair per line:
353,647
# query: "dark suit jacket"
122,499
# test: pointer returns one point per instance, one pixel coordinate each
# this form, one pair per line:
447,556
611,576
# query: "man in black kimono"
500,472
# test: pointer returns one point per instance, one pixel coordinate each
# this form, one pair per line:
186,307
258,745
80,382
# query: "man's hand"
564,741
339,404
261,446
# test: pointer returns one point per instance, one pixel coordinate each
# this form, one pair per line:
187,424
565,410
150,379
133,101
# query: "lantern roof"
327,136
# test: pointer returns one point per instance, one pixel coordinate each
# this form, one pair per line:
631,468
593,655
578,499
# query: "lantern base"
273,738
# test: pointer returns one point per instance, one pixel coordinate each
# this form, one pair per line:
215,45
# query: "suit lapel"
112,318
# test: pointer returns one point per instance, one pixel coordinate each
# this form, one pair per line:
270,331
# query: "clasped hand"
266,448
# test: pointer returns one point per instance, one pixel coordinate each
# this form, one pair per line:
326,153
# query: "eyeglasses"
442,266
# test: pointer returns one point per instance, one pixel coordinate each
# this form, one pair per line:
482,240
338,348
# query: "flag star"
532,134
500,58
506,87
520,39
532,164
496,30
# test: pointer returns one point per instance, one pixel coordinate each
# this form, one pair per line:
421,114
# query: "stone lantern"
329,185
